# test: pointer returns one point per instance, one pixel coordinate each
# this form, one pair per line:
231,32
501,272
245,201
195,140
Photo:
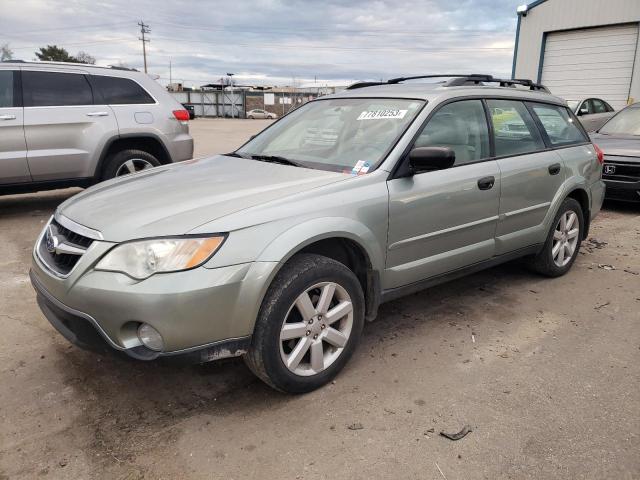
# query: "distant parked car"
191,109
257,113
619,139
65,124
592,112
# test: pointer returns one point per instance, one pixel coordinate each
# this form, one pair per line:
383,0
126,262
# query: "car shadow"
34,204
621,206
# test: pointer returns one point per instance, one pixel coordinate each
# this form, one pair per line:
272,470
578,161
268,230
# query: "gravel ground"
545,372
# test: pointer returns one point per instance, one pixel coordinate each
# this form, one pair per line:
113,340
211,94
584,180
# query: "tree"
84,57
5,52
53,53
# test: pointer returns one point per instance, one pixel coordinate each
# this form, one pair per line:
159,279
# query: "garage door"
592,62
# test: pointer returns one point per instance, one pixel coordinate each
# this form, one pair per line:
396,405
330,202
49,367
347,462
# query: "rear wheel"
126,162
563,242
309,324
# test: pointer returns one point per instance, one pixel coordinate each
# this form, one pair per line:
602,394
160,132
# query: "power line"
334,47
143,30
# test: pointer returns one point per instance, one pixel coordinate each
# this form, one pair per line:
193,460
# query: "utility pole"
143,30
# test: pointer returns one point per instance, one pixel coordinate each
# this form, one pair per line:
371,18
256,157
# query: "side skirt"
395,293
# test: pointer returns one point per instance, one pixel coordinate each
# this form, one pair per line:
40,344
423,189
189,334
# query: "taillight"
599,153
182,115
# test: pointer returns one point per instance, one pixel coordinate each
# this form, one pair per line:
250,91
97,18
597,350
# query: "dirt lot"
546,372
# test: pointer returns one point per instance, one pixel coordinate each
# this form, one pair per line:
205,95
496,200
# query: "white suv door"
13,150
64,130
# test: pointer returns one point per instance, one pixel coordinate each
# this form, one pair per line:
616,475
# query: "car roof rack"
458,80
74,64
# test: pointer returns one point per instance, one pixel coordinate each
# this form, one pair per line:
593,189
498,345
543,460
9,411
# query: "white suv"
67,124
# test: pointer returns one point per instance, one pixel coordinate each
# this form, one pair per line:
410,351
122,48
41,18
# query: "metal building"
581,48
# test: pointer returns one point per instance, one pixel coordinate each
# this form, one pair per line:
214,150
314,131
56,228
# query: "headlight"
141,259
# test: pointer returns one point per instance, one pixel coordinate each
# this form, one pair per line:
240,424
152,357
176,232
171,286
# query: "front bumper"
209,311
620,190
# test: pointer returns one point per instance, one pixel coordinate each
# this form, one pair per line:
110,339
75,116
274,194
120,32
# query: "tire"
251,117
115,163
267,355
545,262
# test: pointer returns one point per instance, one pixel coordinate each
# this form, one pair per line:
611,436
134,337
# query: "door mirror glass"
425,159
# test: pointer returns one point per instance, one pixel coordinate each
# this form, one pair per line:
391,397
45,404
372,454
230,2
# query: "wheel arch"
147,142
582,197
350,243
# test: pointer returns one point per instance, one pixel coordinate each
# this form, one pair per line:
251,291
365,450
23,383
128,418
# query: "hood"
617,146
174,199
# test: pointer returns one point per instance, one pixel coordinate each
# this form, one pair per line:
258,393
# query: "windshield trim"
385,155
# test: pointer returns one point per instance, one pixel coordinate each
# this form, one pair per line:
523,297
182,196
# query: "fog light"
150,337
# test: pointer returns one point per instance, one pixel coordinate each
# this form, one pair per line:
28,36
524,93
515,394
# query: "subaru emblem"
51,241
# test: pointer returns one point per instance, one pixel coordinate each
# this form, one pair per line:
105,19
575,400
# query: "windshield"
573,104
350,135
626,122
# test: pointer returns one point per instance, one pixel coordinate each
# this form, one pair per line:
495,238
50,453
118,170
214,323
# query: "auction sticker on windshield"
382,114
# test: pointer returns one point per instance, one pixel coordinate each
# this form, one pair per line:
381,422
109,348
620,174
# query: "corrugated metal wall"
214,103
559,15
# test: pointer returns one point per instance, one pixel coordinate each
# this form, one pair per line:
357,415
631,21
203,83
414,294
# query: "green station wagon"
279,251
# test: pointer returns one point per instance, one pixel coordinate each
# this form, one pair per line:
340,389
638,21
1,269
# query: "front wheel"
309,324
563,242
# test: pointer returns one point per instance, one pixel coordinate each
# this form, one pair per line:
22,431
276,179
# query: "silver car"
592,112
258,113
67,124
280,251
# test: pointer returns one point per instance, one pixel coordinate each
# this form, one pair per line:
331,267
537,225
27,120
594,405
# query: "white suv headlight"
141,259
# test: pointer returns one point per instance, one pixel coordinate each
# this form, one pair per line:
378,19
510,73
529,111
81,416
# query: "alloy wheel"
565,238
133,165
316,329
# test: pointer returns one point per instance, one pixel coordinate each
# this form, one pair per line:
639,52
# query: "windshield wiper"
277,159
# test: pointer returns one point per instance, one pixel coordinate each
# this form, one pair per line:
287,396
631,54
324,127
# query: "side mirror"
425,159
583,111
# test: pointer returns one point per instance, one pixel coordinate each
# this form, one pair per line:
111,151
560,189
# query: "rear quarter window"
119,91
559,125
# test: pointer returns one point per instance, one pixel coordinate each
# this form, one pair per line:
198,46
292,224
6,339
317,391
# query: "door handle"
97,114
554,169
486,183
7,117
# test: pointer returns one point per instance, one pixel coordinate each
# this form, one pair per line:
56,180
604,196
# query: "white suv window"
6,89
119,91
48,89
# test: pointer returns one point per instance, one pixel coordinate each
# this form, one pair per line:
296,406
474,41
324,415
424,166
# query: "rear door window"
514,130
119,91
48,89
559,125
8,90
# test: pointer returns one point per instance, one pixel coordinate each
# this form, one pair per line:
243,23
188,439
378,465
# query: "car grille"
64,255
621,170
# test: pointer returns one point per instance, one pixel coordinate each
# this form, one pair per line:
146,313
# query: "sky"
273,42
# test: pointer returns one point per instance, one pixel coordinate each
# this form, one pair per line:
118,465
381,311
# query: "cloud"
274,41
